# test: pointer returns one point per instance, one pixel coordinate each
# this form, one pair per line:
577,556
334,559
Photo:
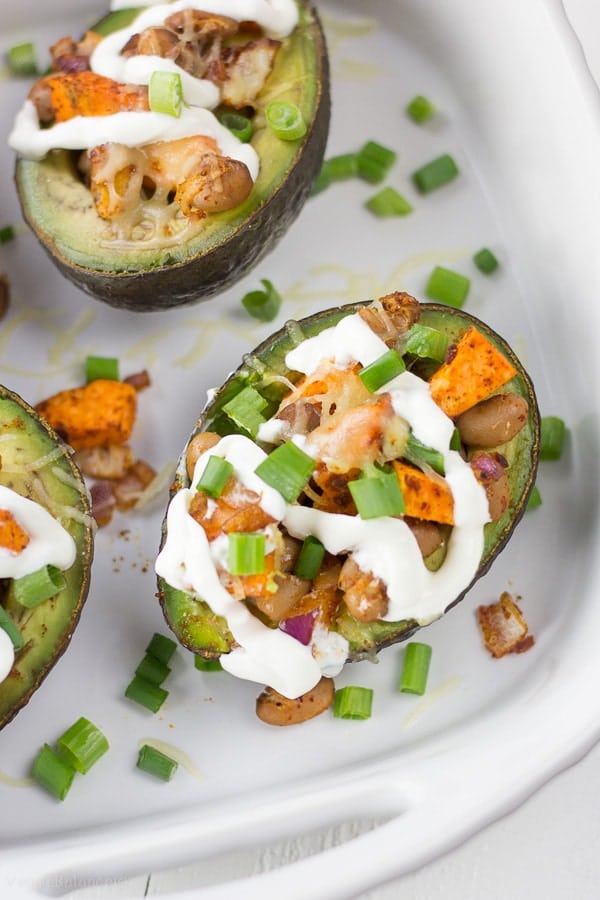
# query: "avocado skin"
47,630
365,639
181,283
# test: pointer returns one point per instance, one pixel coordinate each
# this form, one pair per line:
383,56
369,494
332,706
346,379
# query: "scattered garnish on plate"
503,627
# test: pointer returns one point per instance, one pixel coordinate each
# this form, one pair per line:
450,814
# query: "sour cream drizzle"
134,129
384,546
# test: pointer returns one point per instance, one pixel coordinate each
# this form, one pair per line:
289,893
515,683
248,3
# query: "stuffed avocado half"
346,486
46,548
146,209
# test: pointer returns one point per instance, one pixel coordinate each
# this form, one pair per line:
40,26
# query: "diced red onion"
300,627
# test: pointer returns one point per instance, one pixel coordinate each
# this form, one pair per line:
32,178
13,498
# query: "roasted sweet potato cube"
102,412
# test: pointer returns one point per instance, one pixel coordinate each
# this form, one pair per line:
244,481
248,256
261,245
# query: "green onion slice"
11,629
239,125
32,589
448,286
420,454
377,495
435,174
388,202
426,342
156,763
535,498
485,261
101,367
143,692
215,476
52,772
207,665
287,469
22,60
420,109
245,410
285,120
165,93
382,370
152,669
374,161
415,668
82,745
7,234
353,702
310,558
246,553
263,305
161,647
553,435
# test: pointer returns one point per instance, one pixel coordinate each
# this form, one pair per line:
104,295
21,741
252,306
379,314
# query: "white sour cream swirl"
134,129
384,546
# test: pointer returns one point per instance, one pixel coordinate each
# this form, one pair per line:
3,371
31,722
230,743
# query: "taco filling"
137,107
363,495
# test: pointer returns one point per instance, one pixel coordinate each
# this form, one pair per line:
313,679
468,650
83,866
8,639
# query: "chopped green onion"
246,553
152,669
382,370
455,441
7,624
7,234
353,702
374,161
435,174
82,745
342,166
263,305
215,476
285,120
32,589
165,93
207,665
322,181
415,668
377,495
287,469
101,367
553,435
22,60
161,647
485,261
419,454
535,498
245,410
448,286
239,125
388,202
426,342
156,763
420,109
310,558
336,168
52,772
141,691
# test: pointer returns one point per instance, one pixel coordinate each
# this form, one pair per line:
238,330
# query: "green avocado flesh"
191,619
37,465
59,208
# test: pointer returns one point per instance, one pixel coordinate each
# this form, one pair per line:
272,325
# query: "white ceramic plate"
520,115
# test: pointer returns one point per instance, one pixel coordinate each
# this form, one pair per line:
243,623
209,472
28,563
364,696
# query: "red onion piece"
300,627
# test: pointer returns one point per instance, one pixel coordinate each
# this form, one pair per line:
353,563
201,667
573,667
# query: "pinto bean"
493,421
198,445
498,495
428,535
290,589
275,709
